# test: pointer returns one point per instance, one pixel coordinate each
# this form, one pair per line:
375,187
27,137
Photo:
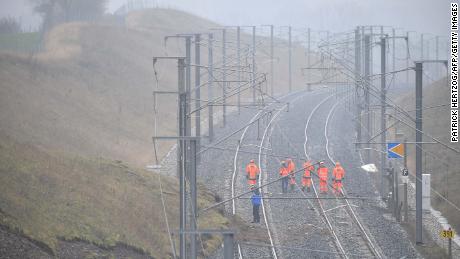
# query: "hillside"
75,134
443,164
77,122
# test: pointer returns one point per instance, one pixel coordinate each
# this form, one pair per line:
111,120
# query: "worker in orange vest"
284,172
252,173
322,174
291,169
306,178
337,177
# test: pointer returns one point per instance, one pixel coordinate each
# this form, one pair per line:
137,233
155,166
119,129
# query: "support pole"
362,48
210,86
406,205
180,156
383,126
290,59
188,82
224,77
272,70
253,74
421,47
193,195
238,53
418,152
438,71
407,59
197,88
367,52
308,56
394,50
357,82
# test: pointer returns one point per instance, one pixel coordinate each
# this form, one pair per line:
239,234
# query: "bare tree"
59,11
9,25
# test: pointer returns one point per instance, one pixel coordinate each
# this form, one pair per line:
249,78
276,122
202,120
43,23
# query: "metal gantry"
360,70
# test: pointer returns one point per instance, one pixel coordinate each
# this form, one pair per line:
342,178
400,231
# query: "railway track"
344,224
237,165
297,227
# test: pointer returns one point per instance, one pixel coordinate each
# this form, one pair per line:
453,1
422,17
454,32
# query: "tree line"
54,12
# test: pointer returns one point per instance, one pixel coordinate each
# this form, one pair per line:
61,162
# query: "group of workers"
288,174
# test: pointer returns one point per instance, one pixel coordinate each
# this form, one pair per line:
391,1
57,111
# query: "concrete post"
228,245
426,192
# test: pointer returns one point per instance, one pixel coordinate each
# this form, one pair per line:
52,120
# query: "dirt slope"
443,164
68,115
76,128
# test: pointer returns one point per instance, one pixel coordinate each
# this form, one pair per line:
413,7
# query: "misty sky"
430,16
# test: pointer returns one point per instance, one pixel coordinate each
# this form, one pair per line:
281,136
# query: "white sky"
430,16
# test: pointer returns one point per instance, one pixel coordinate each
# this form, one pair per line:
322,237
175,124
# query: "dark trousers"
284,184
255,213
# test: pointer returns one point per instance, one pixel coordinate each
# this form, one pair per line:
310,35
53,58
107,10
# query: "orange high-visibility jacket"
308,168
252,170
322,173
284,171
291,165
338,173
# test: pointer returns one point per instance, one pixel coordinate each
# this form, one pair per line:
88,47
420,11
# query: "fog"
428,16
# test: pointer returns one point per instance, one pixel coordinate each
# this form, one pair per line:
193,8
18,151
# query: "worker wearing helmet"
306,178
322,174
252,173
284,172
337,177
291,169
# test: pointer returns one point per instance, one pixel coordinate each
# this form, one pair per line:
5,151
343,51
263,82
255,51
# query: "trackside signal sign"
395,150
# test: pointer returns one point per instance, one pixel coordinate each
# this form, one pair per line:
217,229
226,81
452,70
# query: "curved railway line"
235,172
339,230
340,233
